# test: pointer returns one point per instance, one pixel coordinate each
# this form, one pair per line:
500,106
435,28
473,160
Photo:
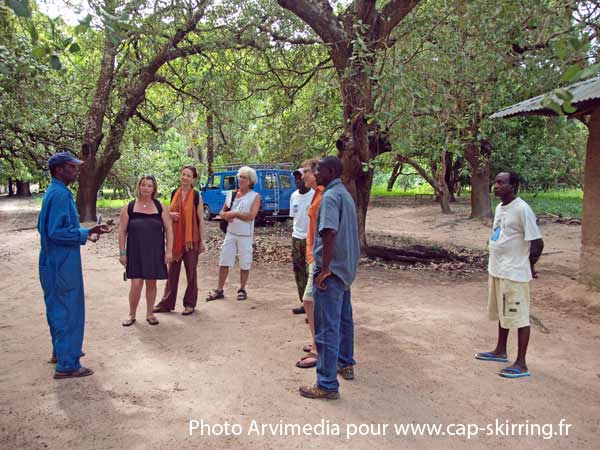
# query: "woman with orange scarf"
188,232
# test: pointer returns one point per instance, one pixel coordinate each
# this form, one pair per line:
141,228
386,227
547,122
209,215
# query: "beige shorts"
508,302
307,297
235,245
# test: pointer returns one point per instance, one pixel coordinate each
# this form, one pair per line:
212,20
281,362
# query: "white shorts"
233,245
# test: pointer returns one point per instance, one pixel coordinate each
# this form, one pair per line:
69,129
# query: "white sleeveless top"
244,204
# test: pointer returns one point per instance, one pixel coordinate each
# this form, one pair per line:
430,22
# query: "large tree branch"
319,15
147,121
392,14
421,171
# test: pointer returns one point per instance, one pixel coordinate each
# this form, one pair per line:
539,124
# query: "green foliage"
380,190
562,203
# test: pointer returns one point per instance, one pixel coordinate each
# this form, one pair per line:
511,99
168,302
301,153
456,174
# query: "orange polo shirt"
313,215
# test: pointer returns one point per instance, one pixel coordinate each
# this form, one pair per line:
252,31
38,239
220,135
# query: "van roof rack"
235,166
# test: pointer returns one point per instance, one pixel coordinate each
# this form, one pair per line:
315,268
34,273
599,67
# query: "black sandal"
152,321
241,295
128,322
215,295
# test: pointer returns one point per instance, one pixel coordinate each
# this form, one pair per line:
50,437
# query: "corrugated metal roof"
582,92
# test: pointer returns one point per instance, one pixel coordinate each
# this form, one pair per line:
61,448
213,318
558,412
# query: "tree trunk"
477,154
87,195
210,141
452,174
353,39
10,187
589,261
359,145
23,189
396,171
444,192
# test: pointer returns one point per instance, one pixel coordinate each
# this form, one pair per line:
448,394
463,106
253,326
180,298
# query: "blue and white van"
275,185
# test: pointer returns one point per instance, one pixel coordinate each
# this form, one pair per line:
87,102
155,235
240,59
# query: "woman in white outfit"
240,233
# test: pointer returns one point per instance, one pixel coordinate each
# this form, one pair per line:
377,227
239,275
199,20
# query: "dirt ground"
233,362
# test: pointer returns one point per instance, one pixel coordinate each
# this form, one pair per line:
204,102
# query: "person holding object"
188,243
145,223
336,252
515,246
240,233
60,269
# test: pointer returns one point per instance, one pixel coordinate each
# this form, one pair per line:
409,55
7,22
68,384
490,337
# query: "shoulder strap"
233,194
130,207
158,206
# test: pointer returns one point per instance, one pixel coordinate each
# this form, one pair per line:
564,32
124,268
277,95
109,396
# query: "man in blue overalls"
60,265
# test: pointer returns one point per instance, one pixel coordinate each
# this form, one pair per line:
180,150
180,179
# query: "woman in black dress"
145,224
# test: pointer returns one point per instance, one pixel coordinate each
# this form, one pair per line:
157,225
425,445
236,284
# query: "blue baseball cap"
61,158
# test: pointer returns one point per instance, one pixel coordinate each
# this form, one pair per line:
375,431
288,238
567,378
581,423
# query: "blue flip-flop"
487,356
510,372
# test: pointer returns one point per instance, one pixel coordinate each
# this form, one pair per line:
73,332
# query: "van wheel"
206,213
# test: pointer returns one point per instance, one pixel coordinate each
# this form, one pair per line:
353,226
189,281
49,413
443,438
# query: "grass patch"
380,190
563,203
111,204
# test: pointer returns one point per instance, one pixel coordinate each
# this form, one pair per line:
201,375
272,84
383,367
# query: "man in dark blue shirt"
336,252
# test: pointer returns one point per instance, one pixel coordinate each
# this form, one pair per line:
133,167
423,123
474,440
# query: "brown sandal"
81,372
152,321
307,361
215,295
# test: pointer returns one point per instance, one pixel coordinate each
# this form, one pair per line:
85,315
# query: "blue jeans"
334,331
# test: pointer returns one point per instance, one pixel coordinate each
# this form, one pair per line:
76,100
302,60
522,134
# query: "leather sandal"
152,321
128,322
81,372
215,295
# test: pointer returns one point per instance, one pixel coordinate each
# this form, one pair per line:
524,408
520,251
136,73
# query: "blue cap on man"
61,158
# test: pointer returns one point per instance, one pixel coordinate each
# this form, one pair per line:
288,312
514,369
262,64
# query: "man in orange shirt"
310,359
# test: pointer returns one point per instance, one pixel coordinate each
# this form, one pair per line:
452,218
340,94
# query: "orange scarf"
185,230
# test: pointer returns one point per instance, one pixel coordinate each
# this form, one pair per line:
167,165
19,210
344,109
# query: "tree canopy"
143,86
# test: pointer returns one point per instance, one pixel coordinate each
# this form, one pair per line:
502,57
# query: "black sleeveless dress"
146,244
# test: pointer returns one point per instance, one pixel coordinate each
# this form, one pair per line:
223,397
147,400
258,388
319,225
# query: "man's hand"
534,274
321,279
168,257
202,247
174,216
99,229
123,260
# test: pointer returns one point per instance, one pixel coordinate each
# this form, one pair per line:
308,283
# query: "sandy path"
232,362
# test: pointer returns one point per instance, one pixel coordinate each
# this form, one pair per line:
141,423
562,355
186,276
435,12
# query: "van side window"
229,182
270,181
286,181
214,182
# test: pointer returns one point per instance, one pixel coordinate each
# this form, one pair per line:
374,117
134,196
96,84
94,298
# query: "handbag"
224,224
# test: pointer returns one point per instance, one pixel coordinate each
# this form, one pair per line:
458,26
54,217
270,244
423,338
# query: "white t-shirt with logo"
299,204
514,227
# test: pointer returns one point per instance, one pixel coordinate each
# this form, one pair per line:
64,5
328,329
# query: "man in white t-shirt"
299,203
515,246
